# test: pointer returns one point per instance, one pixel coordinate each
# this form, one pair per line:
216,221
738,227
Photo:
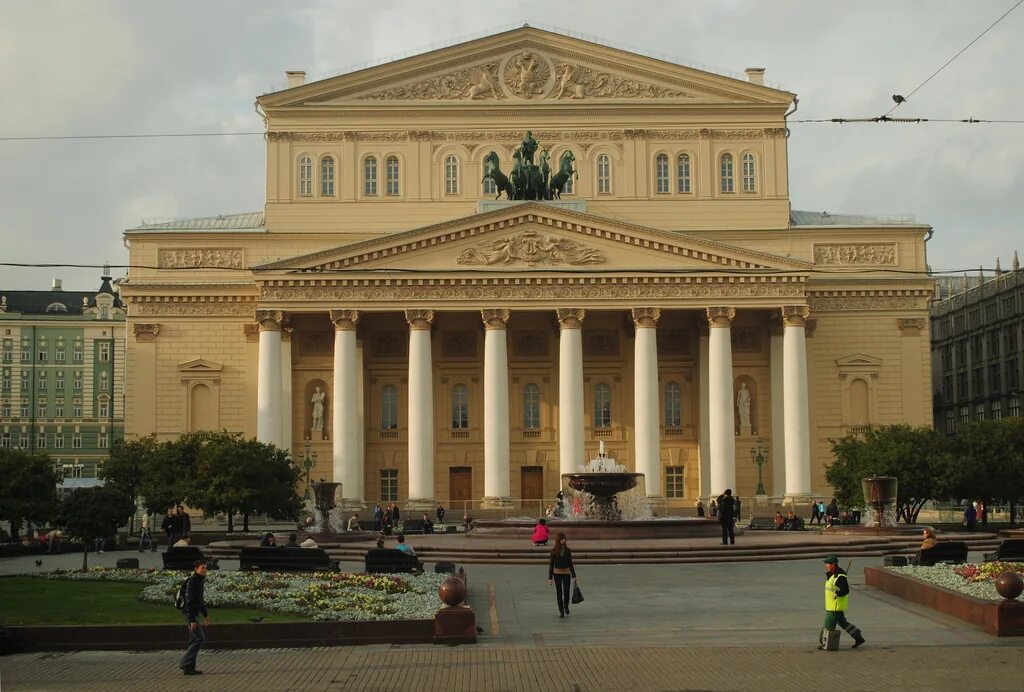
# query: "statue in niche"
318,409
743,405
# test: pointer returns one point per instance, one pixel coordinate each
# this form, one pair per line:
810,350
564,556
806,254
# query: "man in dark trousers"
167,526
194,607
727,516
837,596
186,521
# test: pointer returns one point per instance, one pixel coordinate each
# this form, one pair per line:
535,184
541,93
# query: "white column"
646,431
361,419
797,419
347,455
778,445
286,389
570,390
268,378
704,433
421,410
496,421
721,421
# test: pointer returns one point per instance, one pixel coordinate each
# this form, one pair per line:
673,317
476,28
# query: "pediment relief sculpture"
477,82
576,82
531,248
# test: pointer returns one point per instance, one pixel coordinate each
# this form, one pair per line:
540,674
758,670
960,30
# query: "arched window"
305,176
661,174
604,175
392,172
327,176
683,173
389,407
727,174
673,406
531,407
460,407
602,405
451,175
370,176
749,173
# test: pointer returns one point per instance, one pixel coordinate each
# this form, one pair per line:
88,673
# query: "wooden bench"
1011,549
761,524
391,561
946,552
185,558
274,559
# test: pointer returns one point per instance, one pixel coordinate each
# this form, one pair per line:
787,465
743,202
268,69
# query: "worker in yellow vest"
837,596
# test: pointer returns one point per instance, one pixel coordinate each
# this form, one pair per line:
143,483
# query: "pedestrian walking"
970,517
145,536
185,520
192,608
167,526
727,517
560,568
440,513
837,596
815,514
378,517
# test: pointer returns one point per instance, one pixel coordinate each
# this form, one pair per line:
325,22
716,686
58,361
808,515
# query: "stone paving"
742,626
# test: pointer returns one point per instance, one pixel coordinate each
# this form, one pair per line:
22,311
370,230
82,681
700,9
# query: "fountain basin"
603,486
594,529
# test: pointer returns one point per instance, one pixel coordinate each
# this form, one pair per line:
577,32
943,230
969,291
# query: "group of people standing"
824,515
975,513
176,525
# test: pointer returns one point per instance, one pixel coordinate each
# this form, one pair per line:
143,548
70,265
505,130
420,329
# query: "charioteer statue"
527,179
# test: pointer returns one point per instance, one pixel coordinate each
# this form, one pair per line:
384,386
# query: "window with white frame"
451,175
389,407
104,382
997,410
1014,408
8,351
460,407
370,176
674,486
58,441
673,405
103,441
531,407
389,485
490,187
749,173
683,184
76,441
604,175
392,170
327,176
24,380
104,408
58,410
41,440
305,176
60,381
41,381
5,439
24,409
5,380
23,440
602,405
726,174
61,353
76,409
78,380
26,353
104,351
41,409
77,354
661,174
5,409
44,354
979,412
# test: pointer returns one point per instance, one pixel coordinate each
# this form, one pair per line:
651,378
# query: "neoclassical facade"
432,343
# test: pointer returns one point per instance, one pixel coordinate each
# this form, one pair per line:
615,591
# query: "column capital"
495,319
795,315
570,318
269,320
419,319
286,333
720,316
646,317
344,320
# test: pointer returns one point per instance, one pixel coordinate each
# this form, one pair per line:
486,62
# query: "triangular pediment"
859,360
199,365
536,236
525,65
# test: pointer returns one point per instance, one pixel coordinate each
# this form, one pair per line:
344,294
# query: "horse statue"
545,173
492,171
565,171
520,175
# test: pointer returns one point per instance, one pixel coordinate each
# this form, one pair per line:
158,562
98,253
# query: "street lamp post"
759,455
308,462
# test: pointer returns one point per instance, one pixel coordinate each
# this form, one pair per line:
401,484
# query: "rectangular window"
78,381
674,481
950,423
979,412
43,353
1014,409
24,409
8,351
104,382
26,353
5,383
58,441
965,415
41,410
994,377
41,382
105,352
104,409
103,441
60,381
5,439
389,407
460,407
41,440
61,352
1012,375
76,410
76,441
23,440
58,412
389,485
77,354
5,409
997,410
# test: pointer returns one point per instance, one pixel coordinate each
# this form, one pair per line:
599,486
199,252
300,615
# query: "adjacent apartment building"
62,374
978,348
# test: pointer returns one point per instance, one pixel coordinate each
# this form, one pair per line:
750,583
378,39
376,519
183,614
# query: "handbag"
577,595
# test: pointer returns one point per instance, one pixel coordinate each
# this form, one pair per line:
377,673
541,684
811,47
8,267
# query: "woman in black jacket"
560,569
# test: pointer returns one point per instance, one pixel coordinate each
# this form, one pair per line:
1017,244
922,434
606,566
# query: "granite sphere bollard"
452,591
1009,585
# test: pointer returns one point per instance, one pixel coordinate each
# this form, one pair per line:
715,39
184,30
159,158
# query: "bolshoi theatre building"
476,264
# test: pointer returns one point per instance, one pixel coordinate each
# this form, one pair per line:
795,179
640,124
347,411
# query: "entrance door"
532,480
460,484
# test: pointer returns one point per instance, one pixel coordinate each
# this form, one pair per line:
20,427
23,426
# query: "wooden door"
460,484
532,480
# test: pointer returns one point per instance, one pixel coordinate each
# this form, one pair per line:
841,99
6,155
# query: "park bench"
185,558
412,526
948,552
761,524
274,559
391,561
1011,549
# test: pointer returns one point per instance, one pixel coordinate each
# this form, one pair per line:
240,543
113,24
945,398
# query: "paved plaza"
715,626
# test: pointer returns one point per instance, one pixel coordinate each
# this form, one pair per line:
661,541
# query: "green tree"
28,488
920,458
168,475
126,465
90,513
991,456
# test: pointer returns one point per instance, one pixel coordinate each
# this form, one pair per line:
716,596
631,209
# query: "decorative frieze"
419,319
527,74
645,317
344,320
530,248
877,254
145,332
570,318
573,81
192,306
859,302
495,319
200,258
795,315
720,316
911,326
476,82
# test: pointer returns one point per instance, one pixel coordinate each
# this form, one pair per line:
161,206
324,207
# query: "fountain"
880,495
323,500
598,486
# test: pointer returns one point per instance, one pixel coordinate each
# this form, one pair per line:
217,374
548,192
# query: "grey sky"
196,66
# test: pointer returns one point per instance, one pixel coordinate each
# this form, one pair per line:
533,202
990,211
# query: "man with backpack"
189,600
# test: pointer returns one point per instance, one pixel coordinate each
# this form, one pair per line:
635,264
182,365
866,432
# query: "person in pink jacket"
540,532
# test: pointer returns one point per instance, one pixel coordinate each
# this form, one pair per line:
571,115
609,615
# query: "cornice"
526,109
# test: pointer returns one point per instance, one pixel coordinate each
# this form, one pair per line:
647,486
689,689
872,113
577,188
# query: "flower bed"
974,580
319,596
